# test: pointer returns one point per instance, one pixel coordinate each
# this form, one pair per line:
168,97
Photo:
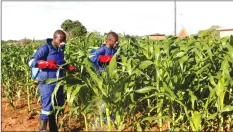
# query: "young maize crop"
185,83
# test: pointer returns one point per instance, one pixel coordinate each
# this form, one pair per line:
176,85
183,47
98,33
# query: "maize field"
183,84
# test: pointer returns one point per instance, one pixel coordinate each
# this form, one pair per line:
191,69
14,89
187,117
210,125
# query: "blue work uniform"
103,50
48,52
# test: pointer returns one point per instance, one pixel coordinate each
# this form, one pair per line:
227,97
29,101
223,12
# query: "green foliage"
67,25
74,28
186,83
210,33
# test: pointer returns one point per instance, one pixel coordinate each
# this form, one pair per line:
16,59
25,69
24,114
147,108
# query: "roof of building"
156,34
226,29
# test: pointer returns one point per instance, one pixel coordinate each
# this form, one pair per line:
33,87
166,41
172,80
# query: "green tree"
210,33
74,28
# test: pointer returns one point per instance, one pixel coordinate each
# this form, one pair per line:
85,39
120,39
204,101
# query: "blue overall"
48,52
103,50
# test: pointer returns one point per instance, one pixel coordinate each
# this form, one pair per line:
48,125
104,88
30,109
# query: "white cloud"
41,19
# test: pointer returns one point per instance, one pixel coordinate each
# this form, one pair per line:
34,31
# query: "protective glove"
104,59
72,68
50,64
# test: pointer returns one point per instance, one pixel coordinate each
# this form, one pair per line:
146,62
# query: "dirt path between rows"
20,120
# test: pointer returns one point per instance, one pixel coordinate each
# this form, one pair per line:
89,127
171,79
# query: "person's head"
59,37
112,39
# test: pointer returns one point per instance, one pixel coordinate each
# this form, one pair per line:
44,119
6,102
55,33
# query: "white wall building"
225,32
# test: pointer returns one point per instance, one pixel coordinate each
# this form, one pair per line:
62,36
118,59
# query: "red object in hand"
104,59
51,64
72,68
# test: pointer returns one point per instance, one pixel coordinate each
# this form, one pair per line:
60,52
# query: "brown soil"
19,119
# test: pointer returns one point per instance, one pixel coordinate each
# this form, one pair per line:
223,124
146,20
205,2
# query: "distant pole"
175,18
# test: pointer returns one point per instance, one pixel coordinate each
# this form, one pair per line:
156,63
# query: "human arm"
38,59
99,56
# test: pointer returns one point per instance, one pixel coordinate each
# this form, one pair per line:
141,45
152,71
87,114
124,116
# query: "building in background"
157,36
182,34
225,32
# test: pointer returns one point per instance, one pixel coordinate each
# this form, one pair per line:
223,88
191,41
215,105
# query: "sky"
39,20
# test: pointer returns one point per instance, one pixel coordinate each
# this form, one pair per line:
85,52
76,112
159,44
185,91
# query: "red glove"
104,59
51,64
72,68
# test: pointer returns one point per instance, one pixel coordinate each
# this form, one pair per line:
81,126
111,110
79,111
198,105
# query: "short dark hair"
59,32
112,34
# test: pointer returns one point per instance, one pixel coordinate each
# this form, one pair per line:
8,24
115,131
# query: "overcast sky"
41,19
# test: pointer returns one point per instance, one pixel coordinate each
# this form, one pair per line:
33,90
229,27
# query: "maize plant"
181,83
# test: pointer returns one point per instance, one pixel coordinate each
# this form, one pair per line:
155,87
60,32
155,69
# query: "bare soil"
19,119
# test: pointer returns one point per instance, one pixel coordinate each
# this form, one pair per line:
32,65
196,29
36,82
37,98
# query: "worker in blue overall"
48,58
103,55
